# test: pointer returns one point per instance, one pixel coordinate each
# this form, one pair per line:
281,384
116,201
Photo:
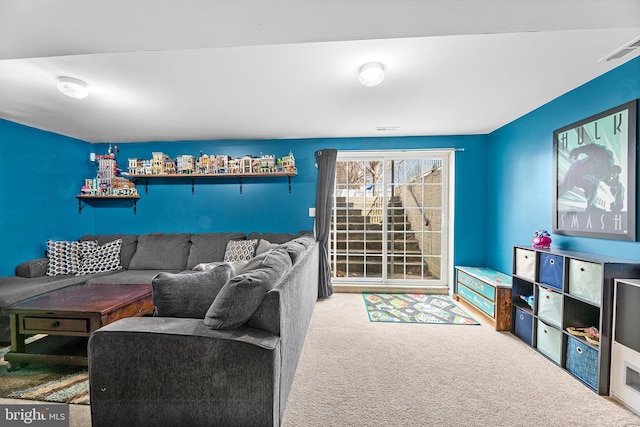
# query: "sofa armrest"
170,371
33,268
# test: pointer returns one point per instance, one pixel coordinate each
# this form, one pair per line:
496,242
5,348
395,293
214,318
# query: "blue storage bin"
582,362
523,326
551,269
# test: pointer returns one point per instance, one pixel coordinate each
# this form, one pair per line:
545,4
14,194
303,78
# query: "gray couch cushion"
242,295
188,294
265,246
210,247
33,268
161,251
128,248
298,246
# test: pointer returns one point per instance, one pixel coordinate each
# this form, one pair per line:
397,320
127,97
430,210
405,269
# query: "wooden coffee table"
68,316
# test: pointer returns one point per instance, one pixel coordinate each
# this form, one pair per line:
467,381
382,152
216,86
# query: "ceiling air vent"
387,128
632,46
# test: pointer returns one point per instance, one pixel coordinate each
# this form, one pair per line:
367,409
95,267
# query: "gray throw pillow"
265,246
240,297
188,294
33,268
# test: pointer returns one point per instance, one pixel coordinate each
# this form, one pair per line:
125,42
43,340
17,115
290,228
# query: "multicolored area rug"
415,308
63,384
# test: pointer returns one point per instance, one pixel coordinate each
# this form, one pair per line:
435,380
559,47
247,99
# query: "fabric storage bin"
526,264
523,326
551,270
550,306
582,362
585,280
549,341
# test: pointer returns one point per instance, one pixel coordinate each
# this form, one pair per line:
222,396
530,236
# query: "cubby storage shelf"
192,177
569,289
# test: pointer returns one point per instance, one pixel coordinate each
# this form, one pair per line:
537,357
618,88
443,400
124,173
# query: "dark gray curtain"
326,162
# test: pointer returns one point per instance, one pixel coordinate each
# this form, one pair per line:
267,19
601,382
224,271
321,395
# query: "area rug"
49,383
415,308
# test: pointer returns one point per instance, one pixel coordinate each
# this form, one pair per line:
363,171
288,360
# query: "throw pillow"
236,266
33,268
265,246
240,250
102,258
188,294
241,296
64,257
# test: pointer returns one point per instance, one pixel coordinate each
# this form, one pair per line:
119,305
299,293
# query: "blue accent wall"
40,173
520,169
265,205
503,184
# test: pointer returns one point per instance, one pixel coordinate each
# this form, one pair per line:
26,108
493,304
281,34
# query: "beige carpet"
354,372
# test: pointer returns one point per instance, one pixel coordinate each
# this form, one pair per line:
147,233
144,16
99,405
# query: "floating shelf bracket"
82,202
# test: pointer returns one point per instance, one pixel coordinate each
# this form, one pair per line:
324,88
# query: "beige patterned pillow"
65,257
101,258
240,250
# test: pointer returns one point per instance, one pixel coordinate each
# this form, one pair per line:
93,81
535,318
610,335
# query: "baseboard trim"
434,290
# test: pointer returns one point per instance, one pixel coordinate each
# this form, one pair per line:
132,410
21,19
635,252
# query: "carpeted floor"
354,372
415,308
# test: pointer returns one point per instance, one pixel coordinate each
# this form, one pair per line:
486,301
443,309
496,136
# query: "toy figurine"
541,239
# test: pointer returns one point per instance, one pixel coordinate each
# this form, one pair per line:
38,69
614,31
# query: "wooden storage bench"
487,292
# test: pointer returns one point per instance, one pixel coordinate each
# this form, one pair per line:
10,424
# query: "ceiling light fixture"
73,88
371,74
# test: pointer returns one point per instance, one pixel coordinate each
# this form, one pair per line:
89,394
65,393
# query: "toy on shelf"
541,239
106,182
204,164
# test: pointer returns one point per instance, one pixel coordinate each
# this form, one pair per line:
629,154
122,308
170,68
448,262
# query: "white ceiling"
162,70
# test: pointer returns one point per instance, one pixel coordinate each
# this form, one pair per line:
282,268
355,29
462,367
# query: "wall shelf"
193,177
83,200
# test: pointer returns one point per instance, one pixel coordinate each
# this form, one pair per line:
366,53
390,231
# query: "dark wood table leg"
17,342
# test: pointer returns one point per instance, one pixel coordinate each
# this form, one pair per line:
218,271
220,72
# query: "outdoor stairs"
365,232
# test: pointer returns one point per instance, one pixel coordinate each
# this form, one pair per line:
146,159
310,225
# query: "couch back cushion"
127,249
242,295
210,247
161,251
298,246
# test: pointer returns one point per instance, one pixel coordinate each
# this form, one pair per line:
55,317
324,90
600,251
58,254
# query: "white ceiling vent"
387,128
632,46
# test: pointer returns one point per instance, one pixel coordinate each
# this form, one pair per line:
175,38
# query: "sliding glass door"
389,218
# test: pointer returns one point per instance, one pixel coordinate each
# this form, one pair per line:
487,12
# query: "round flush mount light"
371,74
73,88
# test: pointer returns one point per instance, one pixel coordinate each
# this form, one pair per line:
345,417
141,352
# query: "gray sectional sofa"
223,345
142,257
230,362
